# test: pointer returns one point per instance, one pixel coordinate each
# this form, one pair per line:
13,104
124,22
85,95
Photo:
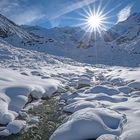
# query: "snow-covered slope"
73,42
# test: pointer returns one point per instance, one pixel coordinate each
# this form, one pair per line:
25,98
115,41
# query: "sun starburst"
94,21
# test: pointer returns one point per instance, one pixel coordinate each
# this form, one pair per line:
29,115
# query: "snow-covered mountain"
75,43
9,28
125,31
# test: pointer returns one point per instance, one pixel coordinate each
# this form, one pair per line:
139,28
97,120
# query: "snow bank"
14,95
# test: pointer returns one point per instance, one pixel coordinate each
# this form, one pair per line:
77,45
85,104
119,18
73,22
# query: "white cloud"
6,6
19,12
124,13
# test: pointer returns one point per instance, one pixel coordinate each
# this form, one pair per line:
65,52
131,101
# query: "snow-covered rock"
16,126
125,89
38,92
135,85
73,107
65,96
23,114
108,137
103,89
135,94
5,115
6,118
5,132
83,82
34,120
50,89
89,124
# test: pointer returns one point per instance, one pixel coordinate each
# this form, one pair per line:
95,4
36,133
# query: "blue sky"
52,13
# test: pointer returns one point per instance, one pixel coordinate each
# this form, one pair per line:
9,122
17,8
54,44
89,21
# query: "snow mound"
108,137
105,97
135,85
19,96
16,126
14,96
83,82
5,115
125,89
13,127
90,124
103,89
50,90
135,94
73,107
131,135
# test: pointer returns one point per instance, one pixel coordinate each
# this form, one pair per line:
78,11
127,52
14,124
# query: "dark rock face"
3,33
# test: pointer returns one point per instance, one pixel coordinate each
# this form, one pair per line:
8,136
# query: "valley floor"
100,102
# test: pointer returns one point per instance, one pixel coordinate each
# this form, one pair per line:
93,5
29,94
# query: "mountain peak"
135,17
8,27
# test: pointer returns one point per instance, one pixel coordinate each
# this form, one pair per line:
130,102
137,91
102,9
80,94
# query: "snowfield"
104,109
101,105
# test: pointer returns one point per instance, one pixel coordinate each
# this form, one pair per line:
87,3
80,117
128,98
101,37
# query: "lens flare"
94,21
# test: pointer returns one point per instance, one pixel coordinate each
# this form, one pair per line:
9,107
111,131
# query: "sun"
94,21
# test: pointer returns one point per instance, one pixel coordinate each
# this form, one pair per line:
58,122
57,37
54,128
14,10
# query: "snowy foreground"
103,103
108,109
